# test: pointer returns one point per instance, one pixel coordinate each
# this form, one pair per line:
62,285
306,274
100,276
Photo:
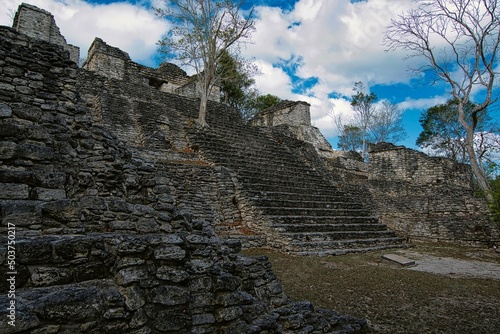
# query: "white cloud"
133,29
338,42
423,103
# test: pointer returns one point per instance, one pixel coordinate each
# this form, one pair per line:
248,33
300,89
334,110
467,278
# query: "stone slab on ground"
399,259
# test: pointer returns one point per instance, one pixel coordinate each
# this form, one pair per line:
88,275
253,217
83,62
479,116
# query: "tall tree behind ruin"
201,32
386,124
443,134
363,104
458,43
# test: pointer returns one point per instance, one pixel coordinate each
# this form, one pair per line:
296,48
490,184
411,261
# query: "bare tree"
386,124
202,31
364,108
350,136
458,41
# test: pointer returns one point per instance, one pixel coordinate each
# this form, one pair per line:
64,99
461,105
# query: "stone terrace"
103,243
294,201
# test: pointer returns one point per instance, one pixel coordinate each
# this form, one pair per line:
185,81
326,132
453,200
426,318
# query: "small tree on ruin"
201,34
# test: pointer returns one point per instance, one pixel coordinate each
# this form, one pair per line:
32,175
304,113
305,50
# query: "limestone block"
21,214
47,276
171,321
5,111
14,191
228,313
134,298
173,274
34,152
46,194
226,282
200,300
116,313
128,262
29,252
130,275
72,248
170,253
168,295
202,319
146,225
199,266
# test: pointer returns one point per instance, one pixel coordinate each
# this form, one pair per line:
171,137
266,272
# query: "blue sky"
309,50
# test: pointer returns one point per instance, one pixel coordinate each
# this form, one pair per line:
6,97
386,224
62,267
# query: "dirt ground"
451,289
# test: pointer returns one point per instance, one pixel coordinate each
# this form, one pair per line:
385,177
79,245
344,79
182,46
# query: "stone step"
301,228
334,196
339,245
301,211
291,187
333,236
298,220
343,251
319,204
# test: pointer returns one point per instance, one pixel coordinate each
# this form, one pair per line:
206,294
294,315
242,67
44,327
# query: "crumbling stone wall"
40,24
101,244
111,62
428,198
294,117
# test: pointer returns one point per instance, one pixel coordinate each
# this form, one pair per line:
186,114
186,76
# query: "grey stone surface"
121,207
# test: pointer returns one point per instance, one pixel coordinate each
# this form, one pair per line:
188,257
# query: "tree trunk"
478,172
203,111
203,106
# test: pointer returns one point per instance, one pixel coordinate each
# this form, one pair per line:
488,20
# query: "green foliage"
495,203
235,79
361,100
262,102
443,133
351,138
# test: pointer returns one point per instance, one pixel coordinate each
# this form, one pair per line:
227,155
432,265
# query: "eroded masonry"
128,218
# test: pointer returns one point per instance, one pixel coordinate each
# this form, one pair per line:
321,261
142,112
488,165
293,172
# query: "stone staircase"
301,209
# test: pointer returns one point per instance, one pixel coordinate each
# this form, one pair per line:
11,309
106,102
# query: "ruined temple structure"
128,218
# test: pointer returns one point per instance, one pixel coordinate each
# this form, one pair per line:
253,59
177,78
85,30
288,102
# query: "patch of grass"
393,299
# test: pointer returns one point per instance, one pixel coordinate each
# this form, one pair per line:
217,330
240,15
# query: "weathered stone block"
134,298
202,319
46,194
5,111
47,276
145,225
7,149
170,253
228,313
173,274
14,191
130,275
168,295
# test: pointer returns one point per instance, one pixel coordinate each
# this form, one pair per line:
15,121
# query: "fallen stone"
399,259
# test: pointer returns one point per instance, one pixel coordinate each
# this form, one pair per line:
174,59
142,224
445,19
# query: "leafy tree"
351,138
372,122
202,31
386,124
495,199
262,102
236,79
364,108
458,41
443,133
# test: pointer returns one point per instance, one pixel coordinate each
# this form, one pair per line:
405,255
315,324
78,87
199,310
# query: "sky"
306,50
